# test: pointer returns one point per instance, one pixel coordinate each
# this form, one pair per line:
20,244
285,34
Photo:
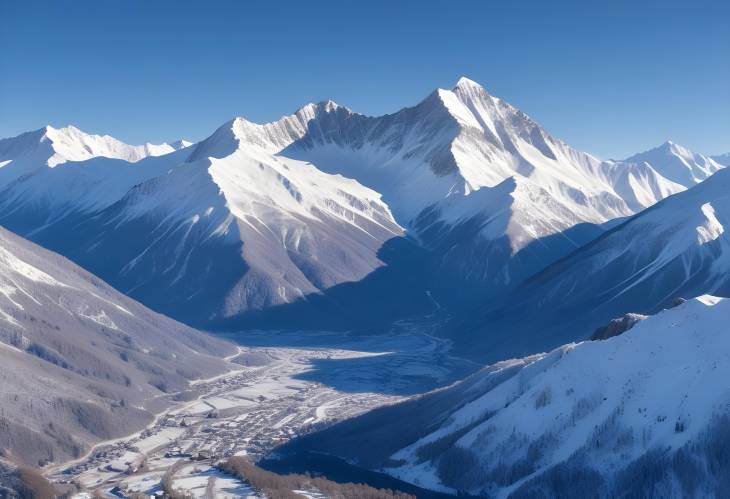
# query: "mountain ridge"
480,186
675,249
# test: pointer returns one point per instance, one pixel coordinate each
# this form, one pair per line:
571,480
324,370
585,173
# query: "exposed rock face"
617,326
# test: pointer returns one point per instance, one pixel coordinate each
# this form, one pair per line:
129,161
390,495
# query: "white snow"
712,228
11,264
194,480
50,147
669,368
162,437
678,164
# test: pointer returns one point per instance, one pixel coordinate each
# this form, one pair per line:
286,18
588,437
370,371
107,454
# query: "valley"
278,390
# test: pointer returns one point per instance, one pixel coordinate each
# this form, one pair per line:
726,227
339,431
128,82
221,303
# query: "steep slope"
676,249
593,419
313,208
80,362
678,164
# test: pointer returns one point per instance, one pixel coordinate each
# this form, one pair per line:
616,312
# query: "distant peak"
675,148
667,145
48,129
465,83
68,132
326,106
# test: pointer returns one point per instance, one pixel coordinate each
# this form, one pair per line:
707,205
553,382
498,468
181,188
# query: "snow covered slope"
678,164
679,248
261,216
49,147
80,362
642,414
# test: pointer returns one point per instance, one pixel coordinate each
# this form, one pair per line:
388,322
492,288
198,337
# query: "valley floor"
293,384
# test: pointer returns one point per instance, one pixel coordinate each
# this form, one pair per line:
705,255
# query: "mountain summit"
677,163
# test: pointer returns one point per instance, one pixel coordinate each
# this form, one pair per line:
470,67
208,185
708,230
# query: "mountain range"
313,218
460,208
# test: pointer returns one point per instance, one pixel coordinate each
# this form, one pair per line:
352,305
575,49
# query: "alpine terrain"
309,219
363,265
675,250
79,361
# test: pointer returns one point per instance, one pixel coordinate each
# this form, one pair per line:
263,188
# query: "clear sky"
609,77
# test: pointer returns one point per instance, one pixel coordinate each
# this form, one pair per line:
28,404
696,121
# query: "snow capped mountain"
450,145
255,229
677,249
642,414
81,362
678,164
475,179
49,147
293,229
260,216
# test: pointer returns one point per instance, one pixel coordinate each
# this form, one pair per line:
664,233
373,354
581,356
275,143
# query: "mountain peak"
677,163
465,83
666,147
53,146
328,105
68,132
673,147
325,106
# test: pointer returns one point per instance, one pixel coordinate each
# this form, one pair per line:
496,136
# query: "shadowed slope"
81,362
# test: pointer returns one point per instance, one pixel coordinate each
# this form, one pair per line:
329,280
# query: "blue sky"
609,77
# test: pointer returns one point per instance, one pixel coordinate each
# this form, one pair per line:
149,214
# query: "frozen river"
282,385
